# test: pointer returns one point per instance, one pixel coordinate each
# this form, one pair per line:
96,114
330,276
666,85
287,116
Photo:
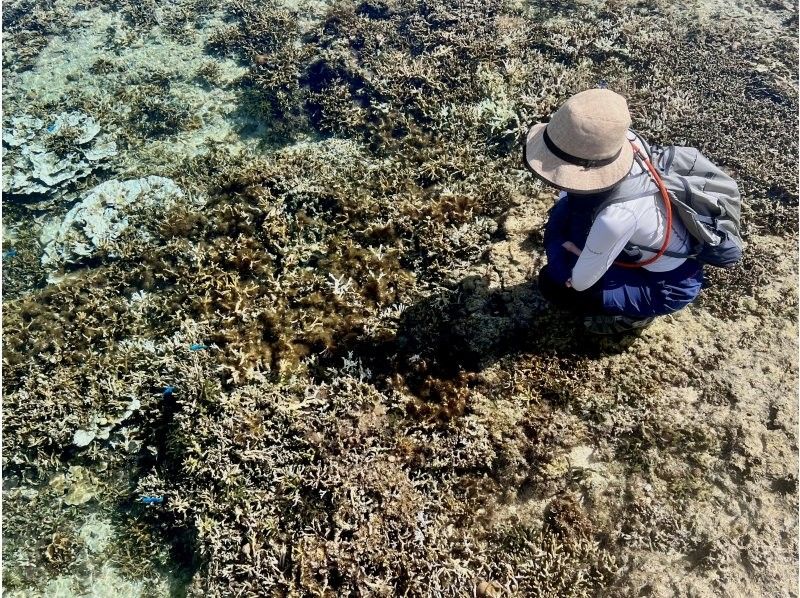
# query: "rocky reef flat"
270,320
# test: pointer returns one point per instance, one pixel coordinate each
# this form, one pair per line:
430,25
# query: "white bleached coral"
45,159
100,218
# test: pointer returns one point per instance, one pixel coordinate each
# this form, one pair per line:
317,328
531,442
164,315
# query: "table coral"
98,221
47,159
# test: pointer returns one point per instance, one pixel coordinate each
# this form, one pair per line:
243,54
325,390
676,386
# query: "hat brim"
571,177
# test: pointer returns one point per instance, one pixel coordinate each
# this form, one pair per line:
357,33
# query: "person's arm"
608,236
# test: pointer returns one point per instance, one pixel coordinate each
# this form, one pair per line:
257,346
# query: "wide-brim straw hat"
584,148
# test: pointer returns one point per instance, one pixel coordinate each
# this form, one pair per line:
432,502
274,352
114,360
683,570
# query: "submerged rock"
100,218
45,159
96,534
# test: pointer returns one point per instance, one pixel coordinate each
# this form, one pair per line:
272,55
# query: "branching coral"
308,373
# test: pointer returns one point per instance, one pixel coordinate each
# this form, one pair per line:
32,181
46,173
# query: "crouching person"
615,253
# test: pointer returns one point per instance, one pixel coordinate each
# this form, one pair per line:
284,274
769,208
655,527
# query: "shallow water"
268,320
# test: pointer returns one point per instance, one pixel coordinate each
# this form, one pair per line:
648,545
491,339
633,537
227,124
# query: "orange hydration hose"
667,206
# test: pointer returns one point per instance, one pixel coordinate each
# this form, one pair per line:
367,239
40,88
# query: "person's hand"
571,247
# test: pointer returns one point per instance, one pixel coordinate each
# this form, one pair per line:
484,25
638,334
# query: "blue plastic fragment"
51,128
197,347
10,253
151,500
168,390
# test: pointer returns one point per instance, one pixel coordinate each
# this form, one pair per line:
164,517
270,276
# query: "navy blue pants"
633,292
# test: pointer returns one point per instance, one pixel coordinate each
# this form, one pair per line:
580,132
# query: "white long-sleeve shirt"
640,222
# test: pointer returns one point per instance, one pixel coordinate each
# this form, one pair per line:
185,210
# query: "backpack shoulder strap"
621,199
644,144
630,196
648,167
667,205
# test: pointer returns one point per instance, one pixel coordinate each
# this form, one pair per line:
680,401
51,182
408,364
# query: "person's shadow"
472,326
443,341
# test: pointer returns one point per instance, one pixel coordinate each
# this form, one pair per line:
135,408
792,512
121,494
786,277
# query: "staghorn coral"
362,515
209,73
154,112
22,268
366,396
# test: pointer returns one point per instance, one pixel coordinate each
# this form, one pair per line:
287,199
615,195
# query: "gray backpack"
705,198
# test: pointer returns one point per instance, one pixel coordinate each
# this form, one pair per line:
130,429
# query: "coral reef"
372,505
28,26
49,159
98,222
299,350
21,259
